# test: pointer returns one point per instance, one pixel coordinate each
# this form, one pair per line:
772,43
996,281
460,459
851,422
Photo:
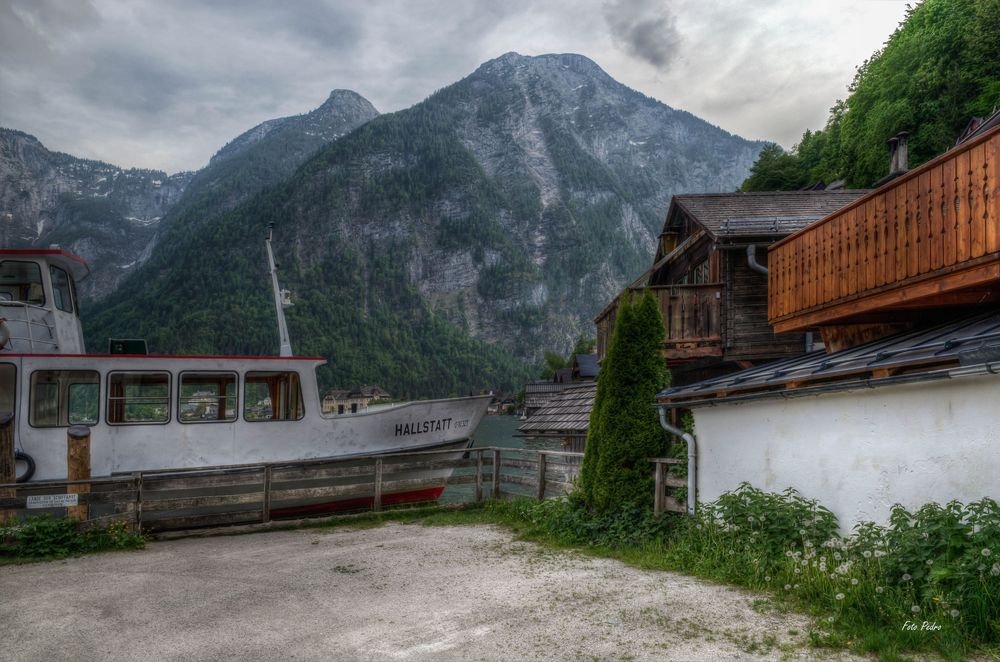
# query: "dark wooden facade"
714,306
926,242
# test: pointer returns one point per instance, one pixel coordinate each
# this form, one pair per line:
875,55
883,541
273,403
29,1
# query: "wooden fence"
178,499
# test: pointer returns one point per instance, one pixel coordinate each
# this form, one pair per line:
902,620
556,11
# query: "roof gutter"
989,368
692,495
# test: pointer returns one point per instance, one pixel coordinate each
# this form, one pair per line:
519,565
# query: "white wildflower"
986,551
954,613
879,590
879,553
796,571
915,609
840,596
767,578
788,587
929,562
906,577
995,570
854,582
867,554
805,562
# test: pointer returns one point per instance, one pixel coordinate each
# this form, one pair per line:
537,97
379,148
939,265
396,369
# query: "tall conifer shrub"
624,431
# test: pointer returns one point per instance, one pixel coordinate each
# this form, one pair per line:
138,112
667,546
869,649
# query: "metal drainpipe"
692,455
761,269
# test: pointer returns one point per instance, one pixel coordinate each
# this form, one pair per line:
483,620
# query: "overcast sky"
164,83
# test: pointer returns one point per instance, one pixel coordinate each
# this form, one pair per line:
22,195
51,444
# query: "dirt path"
398,592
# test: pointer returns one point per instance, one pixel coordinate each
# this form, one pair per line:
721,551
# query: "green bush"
45,536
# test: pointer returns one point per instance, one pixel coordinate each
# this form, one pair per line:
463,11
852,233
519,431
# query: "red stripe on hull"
361,503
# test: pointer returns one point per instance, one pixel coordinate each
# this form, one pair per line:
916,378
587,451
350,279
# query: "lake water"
496,431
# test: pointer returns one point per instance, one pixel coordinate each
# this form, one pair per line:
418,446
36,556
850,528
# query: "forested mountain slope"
431,246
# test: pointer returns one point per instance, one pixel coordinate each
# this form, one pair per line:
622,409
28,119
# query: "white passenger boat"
152,412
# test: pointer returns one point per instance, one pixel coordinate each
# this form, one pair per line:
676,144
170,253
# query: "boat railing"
27,325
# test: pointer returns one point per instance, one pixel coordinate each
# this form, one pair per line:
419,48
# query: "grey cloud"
645,28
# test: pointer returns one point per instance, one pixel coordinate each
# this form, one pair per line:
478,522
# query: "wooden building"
565,417
712,295
904,286
917,251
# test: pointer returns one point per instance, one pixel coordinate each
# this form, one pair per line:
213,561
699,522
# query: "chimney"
898,153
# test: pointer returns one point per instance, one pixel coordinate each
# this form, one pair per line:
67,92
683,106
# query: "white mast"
282,299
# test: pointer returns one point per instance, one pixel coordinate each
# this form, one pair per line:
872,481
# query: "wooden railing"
257,494
691,316
933,231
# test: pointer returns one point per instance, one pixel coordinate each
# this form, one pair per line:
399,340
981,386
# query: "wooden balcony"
929,238
691,320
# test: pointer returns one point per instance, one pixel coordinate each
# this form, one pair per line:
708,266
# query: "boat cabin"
39,306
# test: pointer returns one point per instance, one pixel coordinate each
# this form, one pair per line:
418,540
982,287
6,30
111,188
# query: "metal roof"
568,412
771,212
968,341
586,365
536,394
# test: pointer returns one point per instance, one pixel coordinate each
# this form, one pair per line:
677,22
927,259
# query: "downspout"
761,269
692,464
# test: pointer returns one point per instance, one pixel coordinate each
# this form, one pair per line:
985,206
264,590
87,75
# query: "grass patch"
47,538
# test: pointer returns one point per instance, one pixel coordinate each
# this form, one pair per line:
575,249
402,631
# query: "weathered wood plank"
152,505
194,521
155,483
977,186
992,196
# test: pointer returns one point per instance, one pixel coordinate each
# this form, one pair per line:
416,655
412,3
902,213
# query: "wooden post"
8,470
265,508
479,476
377,504
658,494
137,477
496,474
541,476
78,467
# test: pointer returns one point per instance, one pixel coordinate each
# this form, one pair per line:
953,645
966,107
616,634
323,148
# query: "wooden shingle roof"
762,213
567,413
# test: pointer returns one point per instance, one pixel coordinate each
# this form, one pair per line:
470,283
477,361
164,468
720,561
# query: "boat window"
272,396
207,397
60,398
21,281
60,289
7,376
138,397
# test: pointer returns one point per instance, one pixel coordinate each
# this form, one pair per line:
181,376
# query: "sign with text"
53,500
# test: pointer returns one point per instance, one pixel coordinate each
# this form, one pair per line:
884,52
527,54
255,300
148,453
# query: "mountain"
113,217
105,214
433,248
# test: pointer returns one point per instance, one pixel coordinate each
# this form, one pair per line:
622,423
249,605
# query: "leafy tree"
775,170
624,431
553,362
584,345
938,69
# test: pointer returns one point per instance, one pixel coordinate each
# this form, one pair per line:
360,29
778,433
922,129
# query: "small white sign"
53,500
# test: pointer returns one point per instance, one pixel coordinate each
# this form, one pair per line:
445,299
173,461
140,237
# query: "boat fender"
4,333
21,456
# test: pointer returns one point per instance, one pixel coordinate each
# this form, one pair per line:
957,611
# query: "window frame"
302,398
13,402
107,407
236,397
41,280
31,400
69,290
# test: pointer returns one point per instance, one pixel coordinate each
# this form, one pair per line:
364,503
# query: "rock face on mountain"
102,213
507,208
113,217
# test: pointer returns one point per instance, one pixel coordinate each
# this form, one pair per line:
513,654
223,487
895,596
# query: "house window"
340,409
60,398
8,373
138,397
61,289
21,281
207,397
700,274
272,396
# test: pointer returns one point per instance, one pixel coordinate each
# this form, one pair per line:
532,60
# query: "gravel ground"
397,592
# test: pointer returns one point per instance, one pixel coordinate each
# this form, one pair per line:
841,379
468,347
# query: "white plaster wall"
859,452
